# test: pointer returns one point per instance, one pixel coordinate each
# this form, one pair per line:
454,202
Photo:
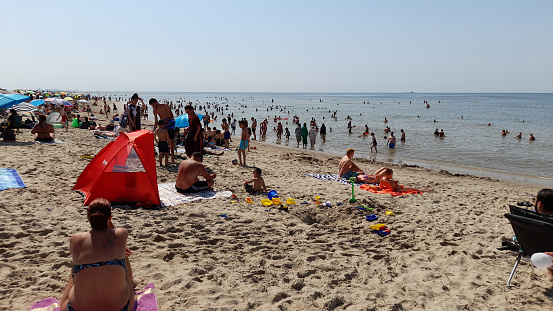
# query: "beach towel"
144,301
9,178
169,196
377,189
56,141
333,177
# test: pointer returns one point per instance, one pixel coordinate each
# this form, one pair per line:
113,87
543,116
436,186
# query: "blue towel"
9,178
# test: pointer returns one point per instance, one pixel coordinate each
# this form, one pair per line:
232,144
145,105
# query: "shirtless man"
392,141
43,131
347,168
226,133
163,111
187,175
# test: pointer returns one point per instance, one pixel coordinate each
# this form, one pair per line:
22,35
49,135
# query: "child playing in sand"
162,140
243,143
258,183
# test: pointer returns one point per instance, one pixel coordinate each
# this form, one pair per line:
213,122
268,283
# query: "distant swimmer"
402,136
519,136
489,124
532,136
503,133
442,134
436,132
385,120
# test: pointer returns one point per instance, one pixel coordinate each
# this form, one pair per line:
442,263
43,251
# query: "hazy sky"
278,46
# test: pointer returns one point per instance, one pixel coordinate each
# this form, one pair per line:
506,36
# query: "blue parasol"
182,120
37,102
8,100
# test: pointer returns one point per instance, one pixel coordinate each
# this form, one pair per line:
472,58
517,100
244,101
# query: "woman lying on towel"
101,278
388,183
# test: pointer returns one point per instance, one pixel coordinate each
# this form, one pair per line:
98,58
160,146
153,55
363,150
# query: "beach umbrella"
83,101
49,99
37,102
63,102
68,98
8,100
25,107
4,91
182,120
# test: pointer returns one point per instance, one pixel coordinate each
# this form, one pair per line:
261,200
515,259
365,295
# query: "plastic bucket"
272,194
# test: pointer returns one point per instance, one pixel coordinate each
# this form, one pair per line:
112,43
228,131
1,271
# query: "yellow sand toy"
86,156
317,200
390,213
290,201
377,226
249,200
266,202
276,201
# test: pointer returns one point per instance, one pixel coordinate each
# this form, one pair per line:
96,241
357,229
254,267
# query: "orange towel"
377,189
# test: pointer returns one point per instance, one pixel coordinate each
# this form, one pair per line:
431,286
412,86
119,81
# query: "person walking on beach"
233,127
304,133
162,112
206,121
63,116
298,135
373,143
243,143
392,141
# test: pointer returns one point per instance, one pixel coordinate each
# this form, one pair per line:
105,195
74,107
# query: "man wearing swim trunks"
392,141
244,139
347,168
374,143
187,175
63,116
226,133
163,111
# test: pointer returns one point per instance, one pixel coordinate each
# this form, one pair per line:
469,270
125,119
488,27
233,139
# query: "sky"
278,46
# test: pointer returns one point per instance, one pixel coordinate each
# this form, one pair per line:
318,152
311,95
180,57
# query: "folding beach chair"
533,233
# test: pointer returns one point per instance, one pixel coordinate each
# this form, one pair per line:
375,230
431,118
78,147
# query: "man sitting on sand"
43,131
187,175
347,168
258,183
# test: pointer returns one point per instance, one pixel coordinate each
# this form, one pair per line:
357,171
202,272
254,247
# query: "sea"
472,123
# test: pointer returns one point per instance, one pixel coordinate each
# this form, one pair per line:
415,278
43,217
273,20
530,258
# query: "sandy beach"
441,254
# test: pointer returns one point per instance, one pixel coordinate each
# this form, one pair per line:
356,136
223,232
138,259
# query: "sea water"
472,124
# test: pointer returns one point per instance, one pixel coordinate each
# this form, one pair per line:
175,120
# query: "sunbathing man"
387,182
187,175
164,112
43,131
347,168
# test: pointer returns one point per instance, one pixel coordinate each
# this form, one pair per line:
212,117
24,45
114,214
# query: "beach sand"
441,254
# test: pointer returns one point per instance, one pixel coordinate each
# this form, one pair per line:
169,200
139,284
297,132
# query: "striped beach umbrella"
25,107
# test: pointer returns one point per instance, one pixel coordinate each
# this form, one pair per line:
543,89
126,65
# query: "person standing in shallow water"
298,135
322,131
304,133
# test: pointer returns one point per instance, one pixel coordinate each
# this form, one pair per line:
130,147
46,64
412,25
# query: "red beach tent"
124,171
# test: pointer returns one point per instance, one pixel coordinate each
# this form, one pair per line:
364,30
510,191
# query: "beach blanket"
144,301
56,141
169,195
333,177
9,178
376,189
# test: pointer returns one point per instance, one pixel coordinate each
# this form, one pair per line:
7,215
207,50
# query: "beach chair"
533,234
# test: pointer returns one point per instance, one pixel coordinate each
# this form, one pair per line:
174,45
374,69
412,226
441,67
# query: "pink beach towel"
144,301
